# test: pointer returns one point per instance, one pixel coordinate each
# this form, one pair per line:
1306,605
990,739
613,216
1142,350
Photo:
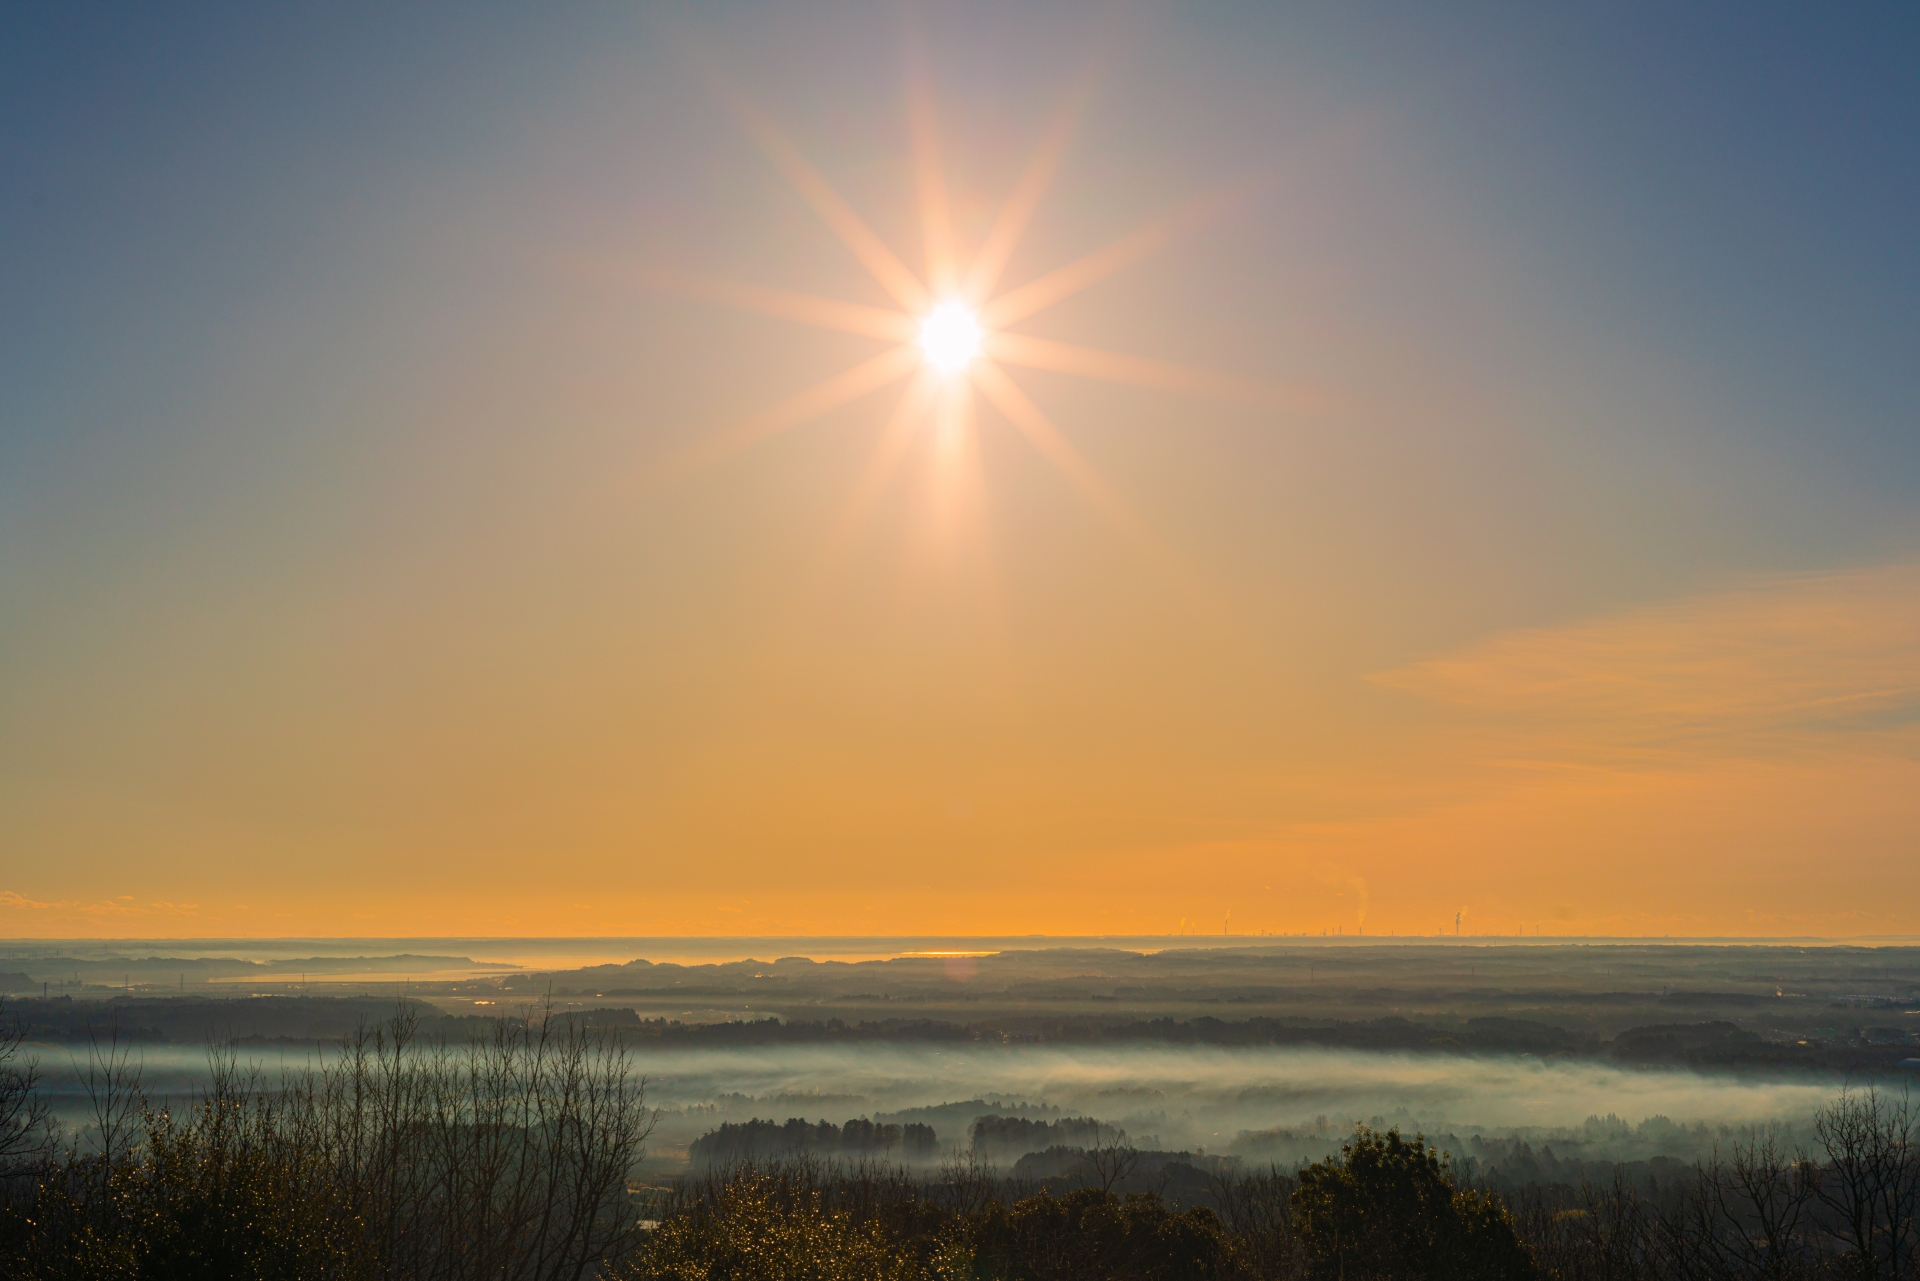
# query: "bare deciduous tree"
1871,1179
1764,1194
111,1077
506,1158
25,1134
1257,1209
1111,1157
967,1182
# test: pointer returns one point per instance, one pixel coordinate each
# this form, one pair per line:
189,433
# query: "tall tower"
1456,925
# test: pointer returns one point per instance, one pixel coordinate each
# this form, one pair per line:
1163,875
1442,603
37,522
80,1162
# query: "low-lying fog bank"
1193,1097
1276,1103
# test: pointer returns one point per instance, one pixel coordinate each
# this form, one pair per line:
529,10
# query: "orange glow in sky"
1100,474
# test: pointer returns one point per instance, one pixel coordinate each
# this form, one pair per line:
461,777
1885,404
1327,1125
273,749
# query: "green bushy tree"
1390,1210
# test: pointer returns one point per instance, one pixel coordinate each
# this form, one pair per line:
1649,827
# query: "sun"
953,331
950,337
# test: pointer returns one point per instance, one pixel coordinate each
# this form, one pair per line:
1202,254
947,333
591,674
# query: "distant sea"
572,953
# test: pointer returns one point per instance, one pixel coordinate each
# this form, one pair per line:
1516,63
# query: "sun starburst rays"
860,240
1063,282
785,304
936,211
845,387
951,333
1019,208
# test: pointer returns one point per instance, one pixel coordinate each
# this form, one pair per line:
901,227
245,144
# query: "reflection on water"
572,953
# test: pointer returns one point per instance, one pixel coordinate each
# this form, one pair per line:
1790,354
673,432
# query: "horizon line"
1217,939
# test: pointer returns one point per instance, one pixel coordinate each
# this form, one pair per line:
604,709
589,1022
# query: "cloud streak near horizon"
1780,669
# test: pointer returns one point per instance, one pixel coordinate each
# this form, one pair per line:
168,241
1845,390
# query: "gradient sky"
367,565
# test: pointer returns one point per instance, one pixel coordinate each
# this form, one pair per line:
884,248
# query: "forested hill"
312,1019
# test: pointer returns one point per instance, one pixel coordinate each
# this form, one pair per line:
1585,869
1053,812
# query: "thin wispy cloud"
1782,667
17,905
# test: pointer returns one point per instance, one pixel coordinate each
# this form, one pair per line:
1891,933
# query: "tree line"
735,1143
1717,1046
511,1158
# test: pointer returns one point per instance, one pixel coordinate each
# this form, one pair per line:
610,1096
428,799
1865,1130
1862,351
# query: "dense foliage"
1391,1208
804,1220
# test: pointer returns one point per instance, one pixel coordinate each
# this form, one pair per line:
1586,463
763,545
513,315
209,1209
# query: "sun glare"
952,332
950,337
